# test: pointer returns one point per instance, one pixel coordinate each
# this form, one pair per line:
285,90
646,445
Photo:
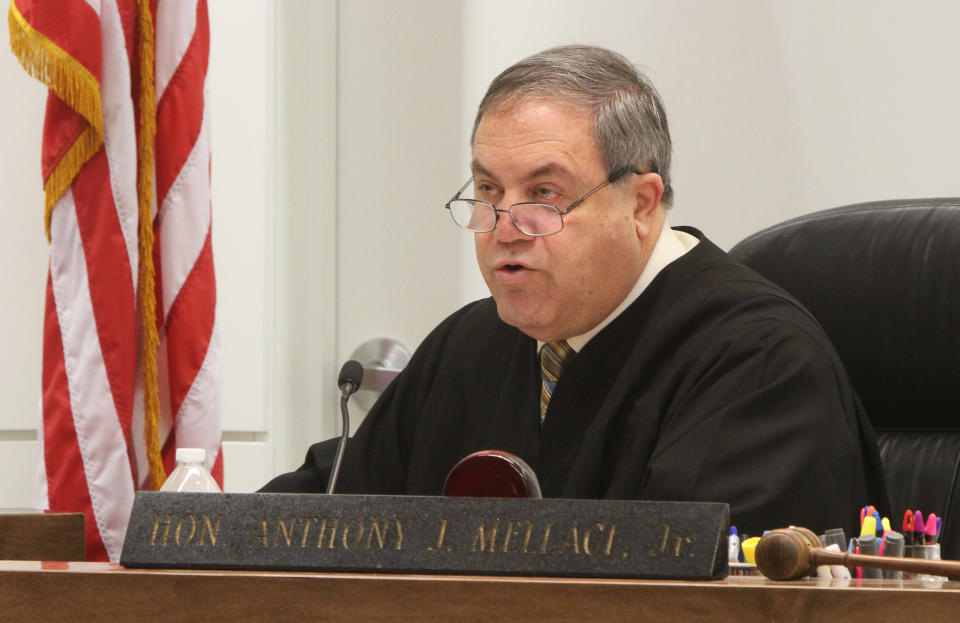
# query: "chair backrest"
883,279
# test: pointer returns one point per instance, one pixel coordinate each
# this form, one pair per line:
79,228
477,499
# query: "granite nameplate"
404,534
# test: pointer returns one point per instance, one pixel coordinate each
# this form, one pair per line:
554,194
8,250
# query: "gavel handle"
948,568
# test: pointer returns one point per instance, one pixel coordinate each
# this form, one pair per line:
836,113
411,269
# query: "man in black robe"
619,357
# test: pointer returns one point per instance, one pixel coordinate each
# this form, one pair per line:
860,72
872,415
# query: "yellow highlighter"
749,548
869,526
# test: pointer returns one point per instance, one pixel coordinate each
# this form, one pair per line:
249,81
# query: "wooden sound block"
42,536
492,474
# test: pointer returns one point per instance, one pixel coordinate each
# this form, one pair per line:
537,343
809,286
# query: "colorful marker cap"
931,529
749,548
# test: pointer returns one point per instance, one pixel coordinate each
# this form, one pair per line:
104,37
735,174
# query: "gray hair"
630,123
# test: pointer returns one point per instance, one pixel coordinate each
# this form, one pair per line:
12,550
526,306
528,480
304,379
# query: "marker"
868,545
908,527
749,547
892,546
939,526
869,526
885,522
918,528
854,548
733,545
930,532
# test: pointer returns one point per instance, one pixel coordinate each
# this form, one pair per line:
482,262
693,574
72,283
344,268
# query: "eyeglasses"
533,219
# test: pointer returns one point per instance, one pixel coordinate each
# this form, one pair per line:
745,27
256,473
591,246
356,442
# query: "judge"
620,357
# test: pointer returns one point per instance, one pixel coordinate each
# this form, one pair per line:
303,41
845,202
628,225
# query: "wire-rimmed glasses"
531,218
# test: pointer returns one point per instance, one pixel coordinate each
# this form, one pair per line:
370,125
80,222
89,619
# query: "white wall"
23,258
400,160
776,108
240,82
340,128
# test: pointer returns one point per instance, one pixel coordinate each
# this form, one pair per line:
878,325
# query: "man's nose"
506,230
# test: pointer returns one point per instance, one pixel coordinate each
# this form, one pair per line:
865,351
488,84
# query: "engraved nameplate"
408,534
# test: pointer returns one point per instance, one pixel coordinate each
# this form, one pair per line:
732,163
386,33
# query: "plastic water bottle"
190,474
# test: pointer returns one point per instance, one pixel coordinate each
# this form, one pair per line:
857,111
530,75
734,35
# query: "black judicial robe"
714,385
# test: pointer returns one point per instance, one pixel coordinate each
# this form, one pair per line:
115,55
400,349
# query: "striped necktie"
553,356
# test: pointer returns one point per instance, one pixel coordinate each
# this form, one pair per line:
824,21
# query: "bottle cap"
191,455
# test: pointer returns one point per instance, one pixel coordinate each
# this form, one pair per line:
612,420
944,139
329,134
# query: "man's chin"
526,321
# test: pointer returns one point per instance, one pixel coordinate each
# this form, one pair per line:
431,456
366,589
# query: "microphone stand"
351,375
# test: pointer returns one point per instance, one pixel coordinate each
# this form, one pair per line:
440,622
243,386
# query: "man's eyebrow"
545,169
551,168
479,169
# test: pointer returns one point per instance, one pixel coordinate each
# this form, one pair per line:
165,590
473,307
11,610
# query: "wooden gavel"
792,553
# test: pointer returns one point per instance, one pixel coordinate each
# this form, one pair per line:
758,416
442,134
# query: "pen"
918,528
733,545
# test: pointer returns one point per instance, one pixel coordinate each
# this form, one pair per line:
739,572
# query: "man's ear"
647,189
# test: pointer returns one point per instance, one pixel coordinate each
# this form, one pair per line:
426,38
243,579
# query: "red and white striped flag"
130,348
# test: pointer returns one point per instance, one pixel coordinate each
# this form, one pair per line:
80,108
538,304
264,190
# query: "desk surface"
101,591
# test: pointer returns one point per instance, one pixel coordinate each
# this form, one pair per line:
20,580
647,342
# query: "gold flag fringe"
62,175
72,83
147,286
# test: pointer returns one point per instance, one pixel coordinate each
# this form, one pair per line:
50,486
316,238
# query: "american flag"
130,346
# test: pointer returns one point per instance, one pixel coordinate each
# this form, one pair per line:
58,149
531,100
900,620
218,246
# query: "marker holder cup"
927,552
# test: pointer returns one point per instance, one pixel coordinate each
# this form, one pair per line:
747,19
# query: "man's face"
558,286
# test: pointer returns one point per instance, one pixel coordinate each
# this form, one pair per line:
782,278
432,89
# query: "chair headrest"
883,279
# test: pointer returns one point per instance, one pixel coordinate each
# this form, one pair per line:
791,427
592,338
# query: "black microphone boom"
351,374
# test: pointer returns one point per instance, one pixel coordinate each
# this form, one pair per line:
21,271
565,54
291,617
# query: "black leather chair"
883,279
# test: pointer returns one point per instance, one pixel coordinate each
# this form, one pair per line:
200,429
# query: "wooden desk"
45,591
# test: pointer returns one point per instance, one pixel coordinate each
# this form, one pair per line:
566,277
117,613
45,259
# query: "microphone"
350,376
349,381
792,553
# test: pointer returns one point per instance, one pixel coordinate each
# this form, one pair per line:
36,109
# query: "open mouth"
510,272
